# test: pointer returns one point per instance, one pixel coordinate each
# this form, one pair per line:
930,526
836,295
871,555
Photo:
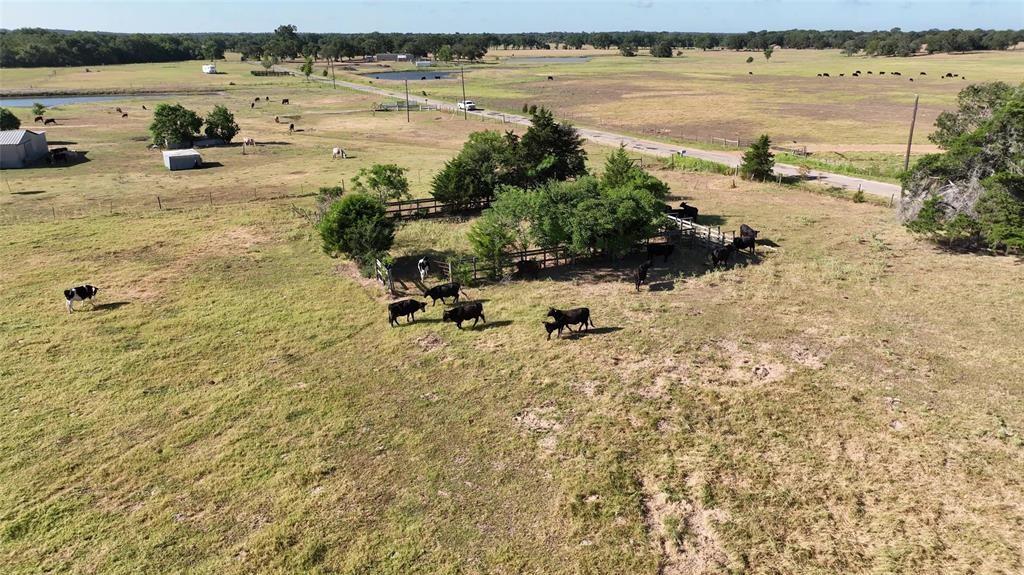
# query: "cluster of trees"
607,214
488,160
177,124
30,47
972,194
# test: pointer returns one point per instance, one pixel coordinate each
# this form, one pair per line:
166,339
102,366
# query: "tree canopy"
8,121
173,123
758,161
220,123
357,226
386,181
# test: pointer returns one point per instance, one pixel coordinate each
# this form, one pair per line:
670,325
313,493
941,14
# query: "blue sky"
508,15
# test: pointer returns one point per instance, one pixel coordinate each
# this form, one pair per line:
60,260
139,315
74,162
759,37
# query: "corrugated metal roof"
8,137
186,152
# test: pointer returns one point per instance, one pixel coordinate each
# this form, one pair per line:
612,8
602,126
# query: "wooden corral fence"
795,150
269,73
429,207
384,275
400,105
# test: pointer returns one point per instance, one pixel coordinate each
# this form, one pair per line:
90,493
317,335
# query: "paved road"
881,189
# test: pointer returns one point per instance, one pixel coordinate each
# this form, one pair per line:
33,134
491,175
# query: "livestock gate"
430,207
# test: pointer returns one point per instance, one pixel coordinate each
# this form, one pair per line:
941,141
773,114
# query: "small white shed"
18,148
209,68
182,159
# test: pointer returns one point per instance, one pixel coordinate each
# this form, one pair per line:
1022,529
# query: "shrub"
758,161
173,123
662,50
8,121
386,181
750,59
38,109
858,196
220,123
526,109
627,50
358,227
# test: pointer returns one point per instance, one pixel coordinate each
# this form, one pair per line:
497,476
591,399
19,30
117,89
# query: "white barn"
182,159
18,148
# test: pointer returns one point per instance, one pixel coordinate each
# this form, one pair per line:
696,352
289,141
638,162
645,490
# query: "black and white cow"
405,307
80,293
424,268
443,291
465,312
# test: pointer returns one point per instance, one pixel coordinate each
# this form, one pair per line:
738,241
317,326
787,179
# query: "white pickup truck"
467,105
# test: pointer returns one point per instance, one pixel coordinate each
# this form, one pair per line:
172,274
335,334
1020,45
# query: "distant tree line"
34,47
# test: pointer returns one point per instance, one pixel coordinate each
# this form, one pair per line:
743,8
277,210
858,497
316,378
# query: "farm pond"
413,75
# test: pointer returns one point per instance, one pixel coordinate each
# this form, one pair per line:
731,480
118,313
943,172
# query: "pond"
547,60
51,101
413,75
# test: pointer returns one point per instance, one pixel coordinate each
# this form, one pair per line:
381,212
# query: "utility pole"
910,140
465,110
407,100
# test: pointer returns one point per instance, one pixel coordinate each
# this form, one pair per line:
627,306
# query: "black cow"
551,326
39,119
896,74
440,292
465,312
528,267
664,250
551,77
118,110
405,307
291,127
688,211
80,293
252,105
748,232
641,274
826,75
285,101
124,114
924,73
580,316
50,121
750,73
144,107
720,256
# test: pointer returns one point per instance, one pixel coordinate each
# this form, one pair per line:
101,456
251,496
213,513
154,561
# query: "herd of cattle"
857,74
560,319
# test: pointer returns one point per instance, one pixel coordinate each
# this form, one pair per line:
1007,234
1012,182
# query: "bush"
8,121
486,161
662,50
627,50
750,59
758,161
174,124
526,109
358,227
386,181
38,109
858,196
220,123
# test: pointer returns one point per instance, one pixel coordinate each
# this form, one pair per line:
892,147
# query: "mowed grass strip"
238,402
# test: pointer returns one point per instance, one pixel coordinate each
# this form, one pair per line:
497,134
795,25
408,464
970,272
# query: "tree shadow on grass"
111,305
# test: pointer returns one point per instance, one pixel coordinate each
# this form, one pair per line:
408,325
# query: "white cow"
339,153
249,142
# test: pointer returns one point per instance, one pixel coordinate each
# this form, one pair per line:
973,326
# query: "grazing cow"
252,105
437,77
663,250
424,268
440,292
291,127
857,72
338,153
911,79
39,119
896,74
750,73
924,73
424,93
577,316
256,100
80,293
528,267
826,75
747,238
819,74
406,308
881,73
720,256
641,274
551,77
118,110
465,312
277,119
841,75
285,101
552,326
748,232
144,107
869,71
50,121
124,114
249,142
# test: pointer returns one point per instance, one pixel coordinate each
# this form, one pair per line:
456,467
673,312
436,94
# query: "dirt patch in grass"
682,531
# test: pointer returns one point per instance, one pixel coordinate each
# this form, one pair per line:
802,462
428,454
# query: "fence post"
449,270
159,204
53,210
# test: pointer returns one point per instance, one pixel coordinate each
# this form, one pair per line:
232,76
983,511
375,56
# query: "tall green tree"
621,172
174,124
550,150
386,181
487,160
662,50
8,121
758,161
357,226
444,54
220,123
768,51
307,67
38,109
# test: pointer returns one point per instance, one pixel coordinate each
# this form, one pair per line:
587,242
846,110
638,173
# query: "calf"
291,127
440,292
50,121
80,293
528,267
641,274
423,266
577,316
720,256
285,101
405,307
551,326
664,250
465,312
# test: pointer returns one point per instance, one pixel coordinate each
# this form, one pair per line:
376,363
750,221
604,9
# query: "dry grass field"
850,401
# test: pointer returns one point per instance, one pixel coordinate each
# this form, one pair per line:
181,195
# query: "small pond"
413,75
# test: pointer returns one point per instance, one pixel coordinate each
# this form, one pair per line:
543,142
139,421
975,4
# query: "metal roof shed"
19,148
182,159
